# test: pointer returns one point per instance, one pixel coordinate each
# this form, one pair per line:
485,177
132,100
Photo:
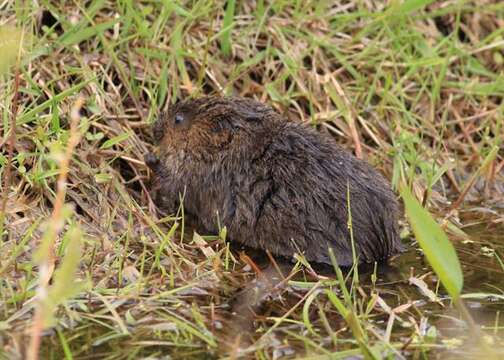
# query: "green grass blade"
115,140
438,250
409,6
77,35
227,25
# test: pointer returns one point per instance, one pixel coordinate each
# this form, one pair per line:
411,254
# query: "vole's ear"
247,114
223,123
236,119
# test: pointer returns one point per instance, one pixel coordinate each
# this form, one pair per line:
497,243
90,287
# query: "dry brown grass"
419,94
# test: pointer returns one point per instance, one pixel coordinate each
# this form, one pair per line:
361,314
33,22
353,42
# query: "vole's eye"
179,118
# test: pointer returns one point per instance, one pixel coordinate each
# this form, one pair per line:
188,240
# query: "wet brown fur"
276,185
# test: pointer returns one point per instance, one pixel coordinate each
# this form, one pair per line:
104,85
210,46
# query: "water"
423,308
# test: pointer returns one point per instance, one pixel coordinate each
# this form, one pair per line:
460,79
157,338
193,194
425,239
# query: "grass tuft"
415,87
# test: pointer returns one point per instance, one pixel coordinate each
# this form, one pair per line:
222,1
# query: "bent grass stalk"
54,226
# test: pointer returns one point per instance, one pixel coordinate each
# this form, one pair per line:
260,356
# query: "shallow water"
248,306
434,316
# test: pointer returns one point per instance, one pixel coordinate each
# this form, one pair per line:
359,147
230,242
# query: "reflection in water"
247,305
271,295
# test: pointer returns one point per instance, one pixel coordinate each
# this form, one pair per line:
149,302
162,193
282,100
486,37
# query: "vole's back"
292,197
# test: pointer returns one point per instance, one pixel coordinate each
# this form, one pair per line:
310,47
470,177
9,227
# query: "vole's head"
209,125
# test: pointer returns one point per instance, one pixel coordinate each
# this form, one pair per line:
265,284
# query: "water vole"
276,185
